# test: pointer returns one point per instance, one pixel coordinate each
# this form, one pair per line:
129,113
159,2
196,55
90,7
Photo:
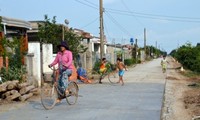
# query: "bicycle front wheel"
73,93
48,96
112,77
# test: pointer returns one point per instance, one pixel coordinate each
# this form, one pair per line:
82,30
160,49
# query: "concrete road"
139,99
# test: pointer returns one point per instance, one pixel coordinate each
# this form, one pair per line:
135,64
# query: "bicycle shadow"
36,105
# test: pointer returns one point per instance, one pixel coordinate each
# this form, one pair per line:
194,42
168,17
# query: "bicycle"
111,74
50,92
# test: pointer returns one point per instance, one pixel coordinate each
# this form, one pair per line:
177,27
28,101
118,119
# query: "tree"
1,38
188,56
1,26
50,32
74,42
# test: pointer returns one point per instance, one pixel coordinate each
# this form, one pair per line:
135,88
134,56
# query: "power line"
152,16
158,18
107,30
143,15
155,15
131,12
117,24
90,22
87,4
91,3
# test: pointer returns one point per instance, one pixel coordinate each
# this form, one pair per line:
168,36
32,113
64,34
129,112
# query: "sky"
170,23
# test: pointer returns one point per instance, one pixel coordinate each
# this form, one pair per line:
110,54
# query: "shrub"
139,61
13,73
188,56
129,62
108,65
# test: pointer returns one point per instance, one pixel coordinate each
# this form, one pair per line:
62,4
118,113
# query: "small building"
15,28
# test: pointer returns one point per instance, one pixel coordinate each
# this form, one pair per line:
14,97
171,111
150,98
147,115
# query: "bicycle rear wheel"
112,77
72,97
48,96
93,76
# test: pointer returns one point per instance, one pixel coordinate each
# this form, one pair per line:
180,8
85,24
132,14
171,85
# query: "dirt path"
181,102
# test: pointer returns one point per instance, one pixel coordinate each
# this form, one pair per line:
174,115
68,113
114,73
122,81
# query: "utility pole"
156,45
136,51
63,33
63,29
145,43
101,29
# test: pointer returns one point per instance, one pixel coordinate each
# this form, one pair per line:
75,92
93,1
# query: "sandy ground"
181,102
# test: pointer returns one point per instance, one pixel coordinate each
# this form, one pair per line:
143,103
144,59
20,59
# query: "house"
15,28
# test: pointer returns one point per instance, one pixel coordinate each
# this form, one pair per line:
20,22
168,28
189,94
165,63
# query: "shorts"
102,70
121,72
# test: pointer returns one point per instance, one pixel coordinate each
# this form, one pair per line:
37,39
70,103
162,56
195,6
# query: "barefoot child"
121,67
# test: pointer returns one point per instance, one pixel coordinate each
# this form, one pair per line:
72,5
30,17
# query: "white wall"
47,57
34,48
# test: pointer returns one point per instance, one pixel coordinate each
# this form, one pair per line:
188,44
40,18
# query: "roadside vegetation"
188,56
12,53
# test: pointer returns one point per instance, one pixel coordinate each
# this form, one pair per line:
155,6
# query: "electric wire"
91,3
155,15
117,24
88,24
87,4
158,18
106,29
132,13
143,15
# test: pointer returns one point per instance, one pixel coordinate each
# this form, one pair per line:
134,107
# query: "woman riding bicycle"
64,60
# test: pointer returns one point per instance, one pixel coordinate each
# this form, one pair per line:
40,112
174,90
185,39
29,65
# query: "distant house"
33,33
15,28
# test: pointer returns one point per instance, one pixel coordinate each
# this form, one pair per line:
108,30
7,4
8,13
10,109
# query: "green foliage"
74,42
188,56
109,66
191,74
1,26
15,70
97,66
139,61
156,52
13,73
50,32
129,62
2,47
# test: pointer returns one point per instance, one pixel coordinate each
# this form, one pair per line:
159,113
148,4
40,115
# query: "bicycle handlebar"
52,68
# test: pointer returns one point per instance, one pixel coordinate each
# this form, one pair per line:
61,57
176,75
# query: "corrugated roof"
15,22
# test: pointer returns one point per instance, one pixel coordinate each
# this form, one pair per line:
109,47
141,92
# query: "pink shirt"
65,59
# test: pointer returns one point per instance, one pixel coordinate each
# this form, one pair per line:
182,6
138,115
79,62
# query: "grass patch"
191,74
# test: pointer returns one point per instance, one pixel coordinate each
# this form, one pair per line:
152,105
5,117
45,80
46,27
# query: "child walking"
121,67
